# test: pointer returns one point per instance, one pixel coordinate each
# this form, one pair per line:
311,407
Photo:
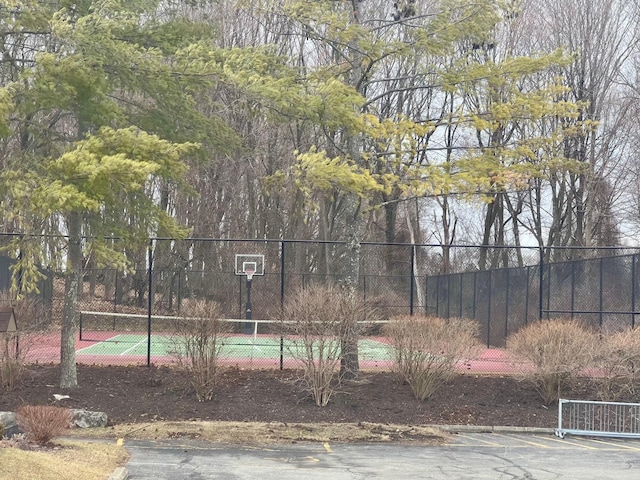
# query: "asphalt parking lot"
475,456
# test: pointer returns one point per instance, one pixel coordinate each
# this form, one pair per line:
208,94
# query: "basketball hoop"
249,269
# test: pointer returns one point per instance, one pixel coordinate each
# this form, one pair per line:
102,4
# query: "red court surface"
45,348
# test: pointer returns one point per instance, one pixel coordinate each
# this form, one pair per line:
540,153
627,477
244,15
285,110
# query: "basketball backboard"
249,263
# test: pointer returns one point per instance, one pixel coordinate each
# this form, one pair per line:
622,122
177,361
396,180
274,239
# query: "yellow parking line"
549,442
618,445
569,442
479,440
519,439
488,445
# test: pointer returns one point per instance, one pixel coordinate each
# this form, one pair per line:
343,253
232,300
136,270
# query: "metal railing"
598,419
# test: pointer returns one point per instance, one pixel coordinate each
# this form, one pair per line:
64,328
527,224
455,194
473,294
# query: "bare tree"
602,37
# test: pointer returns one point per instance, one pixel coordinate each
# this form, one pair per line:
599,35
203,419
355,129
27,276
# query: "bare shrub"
558,350
197,345
617,364
42,423
316,320
12,364
428,349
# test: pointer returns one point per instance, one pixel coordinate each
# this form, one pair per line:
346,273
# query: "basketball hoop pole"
248,311
248,265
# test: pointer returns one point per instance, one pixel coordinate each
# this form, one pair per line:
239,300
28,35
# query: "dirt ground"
146,394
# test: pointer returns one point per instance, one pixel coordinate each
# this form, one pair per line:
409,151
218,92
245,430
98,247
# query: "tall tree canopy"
325,120
98,98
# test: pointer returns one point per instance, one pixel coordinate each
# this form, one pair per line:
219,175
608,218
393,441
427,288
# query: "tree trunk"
68,371
412,237
489,219
349,363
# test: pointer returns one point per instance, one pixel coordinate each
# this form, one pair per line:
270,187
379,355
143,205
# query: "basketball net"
249,274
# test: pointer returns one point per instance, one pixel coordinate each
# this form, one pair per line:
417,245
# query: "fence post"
282,278
115,289
506,308
438,296
573,286
475,291
150,301
460,297
489,309
449,295
179,296
633,290
601,318
526,298
541,284
412,282
426,295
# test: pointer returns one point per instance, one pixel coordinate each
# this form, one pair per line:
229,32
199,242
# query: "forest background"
489,122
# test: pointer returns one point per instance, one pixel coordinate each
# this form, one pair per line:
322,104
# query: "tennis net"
261,343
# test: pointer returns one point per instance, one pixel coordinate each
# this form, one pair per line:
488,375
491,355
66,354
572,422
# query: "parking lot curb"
493,429
119,473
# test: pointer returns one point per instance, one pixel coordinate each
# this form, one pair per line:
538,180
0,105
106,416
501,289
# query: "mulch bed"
144,394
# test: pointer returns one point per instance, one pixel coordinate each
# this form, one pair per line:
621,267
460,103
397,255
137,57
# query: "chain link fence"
602,291
125,316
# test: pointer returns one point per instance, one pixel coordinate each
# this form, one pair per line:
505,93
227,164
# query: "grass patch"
66,459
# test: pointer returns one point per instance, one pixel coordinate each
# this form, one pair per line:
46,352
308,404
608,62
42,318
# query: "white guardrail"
598,419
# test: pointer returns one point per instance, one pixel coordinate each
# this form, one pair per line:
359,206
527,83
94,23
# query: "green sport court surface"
232,347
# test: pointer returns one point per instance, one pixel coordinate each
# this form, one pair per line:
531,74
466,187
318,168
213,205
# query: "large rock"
89,419
9,423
